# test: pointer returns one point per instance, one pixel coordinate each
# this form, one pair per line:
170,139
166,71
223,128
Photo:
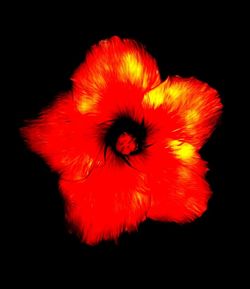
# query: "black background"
48,46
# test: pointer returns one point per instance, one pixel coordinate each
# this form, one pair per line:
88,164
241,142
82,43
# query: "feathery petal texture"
126,143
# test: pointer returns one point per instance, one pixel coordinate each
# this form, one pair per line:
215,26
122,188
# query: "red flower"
126,144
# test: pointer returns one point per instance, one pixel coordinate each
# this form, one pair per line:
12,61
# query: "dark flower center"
126,136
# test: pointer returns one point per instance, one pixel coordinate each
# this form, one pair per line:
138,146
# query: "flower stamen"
126,144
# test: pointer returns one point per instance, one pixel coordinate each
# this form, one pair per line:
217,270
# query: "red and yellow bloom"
126,144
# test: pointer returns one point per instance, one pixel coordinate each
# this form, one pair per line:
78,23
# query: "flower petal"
194,102
112,199
116,73
179,192
66,139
